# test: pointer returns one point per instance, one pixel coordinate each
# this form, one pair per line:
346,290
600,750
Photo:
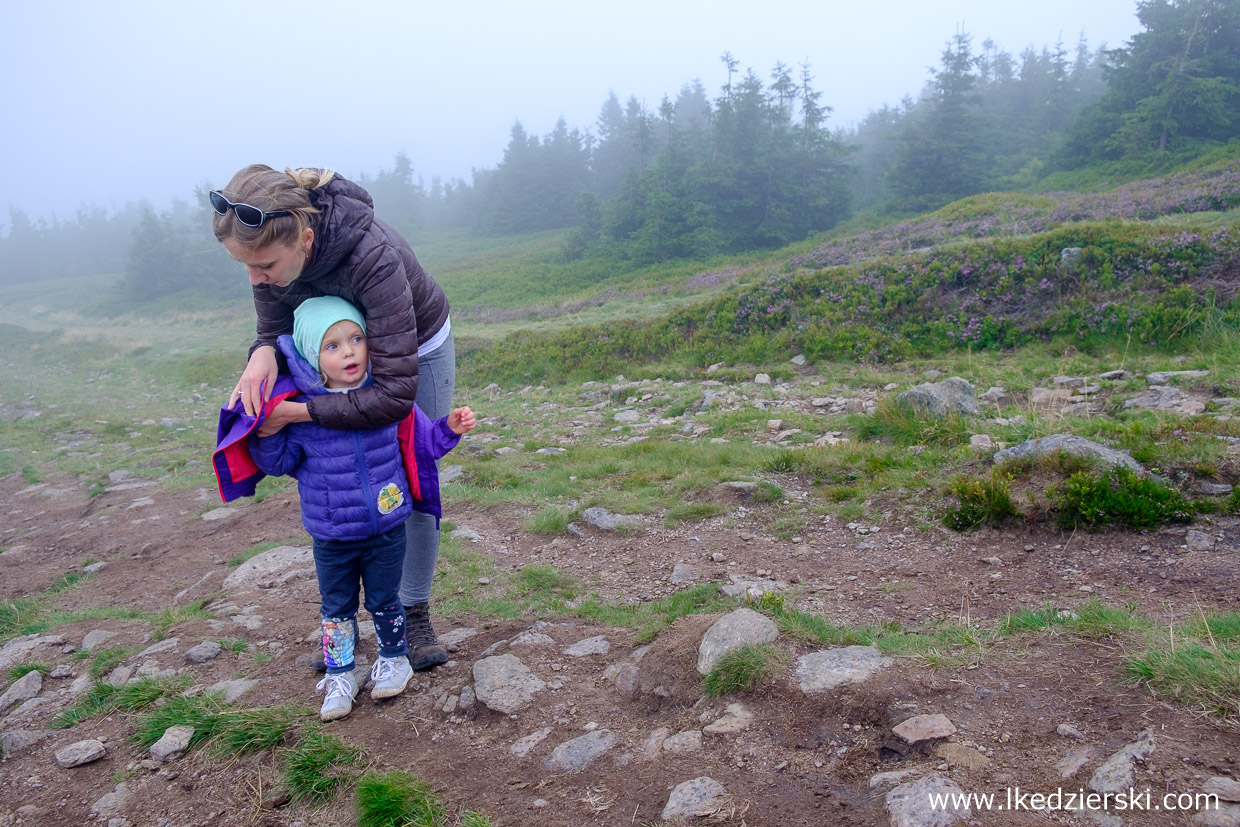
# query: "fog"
109,103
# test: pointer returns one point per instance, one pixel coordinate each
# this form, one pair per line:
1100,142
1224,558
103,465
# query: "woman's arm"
380,288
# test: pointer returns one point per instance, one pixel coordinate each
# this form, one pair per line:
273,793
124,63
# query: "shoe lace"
382,670
338,686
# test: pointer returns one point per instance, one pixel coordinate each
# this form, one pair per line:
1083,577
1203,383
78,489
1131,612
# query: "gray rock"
453,639
1227,789
683,743
505,684
1115,375
531,638
733,631
1199,540
1068,731
450,474
983,443
683,573
921,728
269,564
1118,772
83,752
19,649
203,652
15,740
113,802
1224,815
173,744
604,520
736,718
579,753
1075,445
120,675
627,417
1072,763
951,397
95,568
798,360
698,797
626,676
523,746
1162,377
762,379
1166,398
468,698
222,513
909,804
740,486
22,689
830,669
95,637
161,647
233,689
597,645
887,779
1214,489
466,533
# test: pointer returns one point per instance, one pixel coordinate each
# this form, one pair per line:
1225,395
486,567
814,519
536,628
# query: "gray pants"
436,380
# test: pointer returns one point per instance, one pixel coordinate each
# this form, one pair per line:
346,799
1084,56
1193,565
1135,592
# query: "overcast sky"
109,102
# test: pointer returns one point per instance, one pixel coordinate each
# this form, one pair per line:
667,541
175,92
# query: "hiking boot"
341,690
391,676
425,650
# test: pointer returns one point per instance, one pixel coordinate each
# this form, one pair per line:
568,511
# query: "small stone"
173,744
1068,731
83,752
702,796
924,728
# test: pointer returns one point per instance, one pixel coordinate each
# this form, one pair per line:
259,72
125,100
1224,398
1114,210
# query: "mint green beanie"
314,317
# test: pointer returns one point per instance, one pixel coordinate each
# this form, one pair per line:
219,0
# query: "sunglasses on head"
246,214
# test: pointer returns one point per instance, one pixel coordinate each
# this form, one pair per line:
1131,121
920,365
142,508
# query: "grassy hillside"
1005,290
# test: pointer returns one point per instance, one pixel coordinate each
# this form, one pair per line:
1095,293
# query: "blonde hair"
261,186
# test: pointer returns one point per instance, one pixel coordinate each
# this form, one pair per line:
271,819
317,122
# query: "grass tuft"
740,670
318,765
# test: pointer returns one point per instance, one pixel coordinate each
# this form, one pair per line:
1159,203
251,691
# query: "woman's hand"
283,414
256,382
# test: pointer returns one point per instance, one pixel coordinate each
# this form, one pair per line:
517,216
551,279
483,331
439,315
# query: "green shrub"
1089,500
981,501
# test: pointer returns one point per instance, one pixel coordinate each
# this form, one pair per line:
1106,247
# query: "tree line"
756,164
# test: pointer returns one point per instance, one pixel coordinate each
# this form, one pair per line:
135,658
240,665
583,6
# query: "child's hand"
461,421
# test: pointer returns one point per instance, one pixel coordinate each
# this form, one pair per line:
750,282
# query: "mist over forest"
753,164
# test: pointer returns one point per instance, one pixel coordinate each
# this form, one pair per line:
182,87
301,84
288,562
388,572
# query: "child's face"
343,356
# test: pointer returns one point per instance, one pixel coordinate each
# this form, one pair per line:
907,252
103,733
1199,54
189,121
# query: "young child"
355,495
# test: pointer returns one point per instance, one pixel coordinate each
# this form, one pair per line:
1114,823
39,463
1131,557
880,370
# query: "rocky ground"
606,732
569,722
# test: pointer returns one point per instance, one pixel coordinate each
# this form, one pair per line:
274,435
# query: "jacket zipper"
363,472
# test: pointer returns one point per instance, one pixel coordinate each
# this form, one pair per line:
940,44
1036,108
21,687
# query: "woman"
303,233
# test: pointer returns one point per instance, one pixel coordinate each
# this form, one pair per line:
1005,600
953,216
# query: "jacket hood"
347,212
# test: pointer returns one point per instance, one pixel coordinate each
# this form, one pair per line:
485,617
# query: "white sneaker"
391,676
341,690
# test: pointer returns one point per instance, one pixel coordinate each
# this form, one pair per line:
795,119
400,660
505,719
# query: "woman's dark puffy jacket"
353,484
364,261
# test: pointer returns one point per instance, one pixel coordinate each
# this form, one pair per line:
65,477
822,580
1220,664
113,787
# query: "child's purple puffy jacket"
353,483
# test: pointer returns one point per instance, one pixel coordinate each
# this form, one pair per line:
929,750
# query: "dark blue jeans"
375,563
